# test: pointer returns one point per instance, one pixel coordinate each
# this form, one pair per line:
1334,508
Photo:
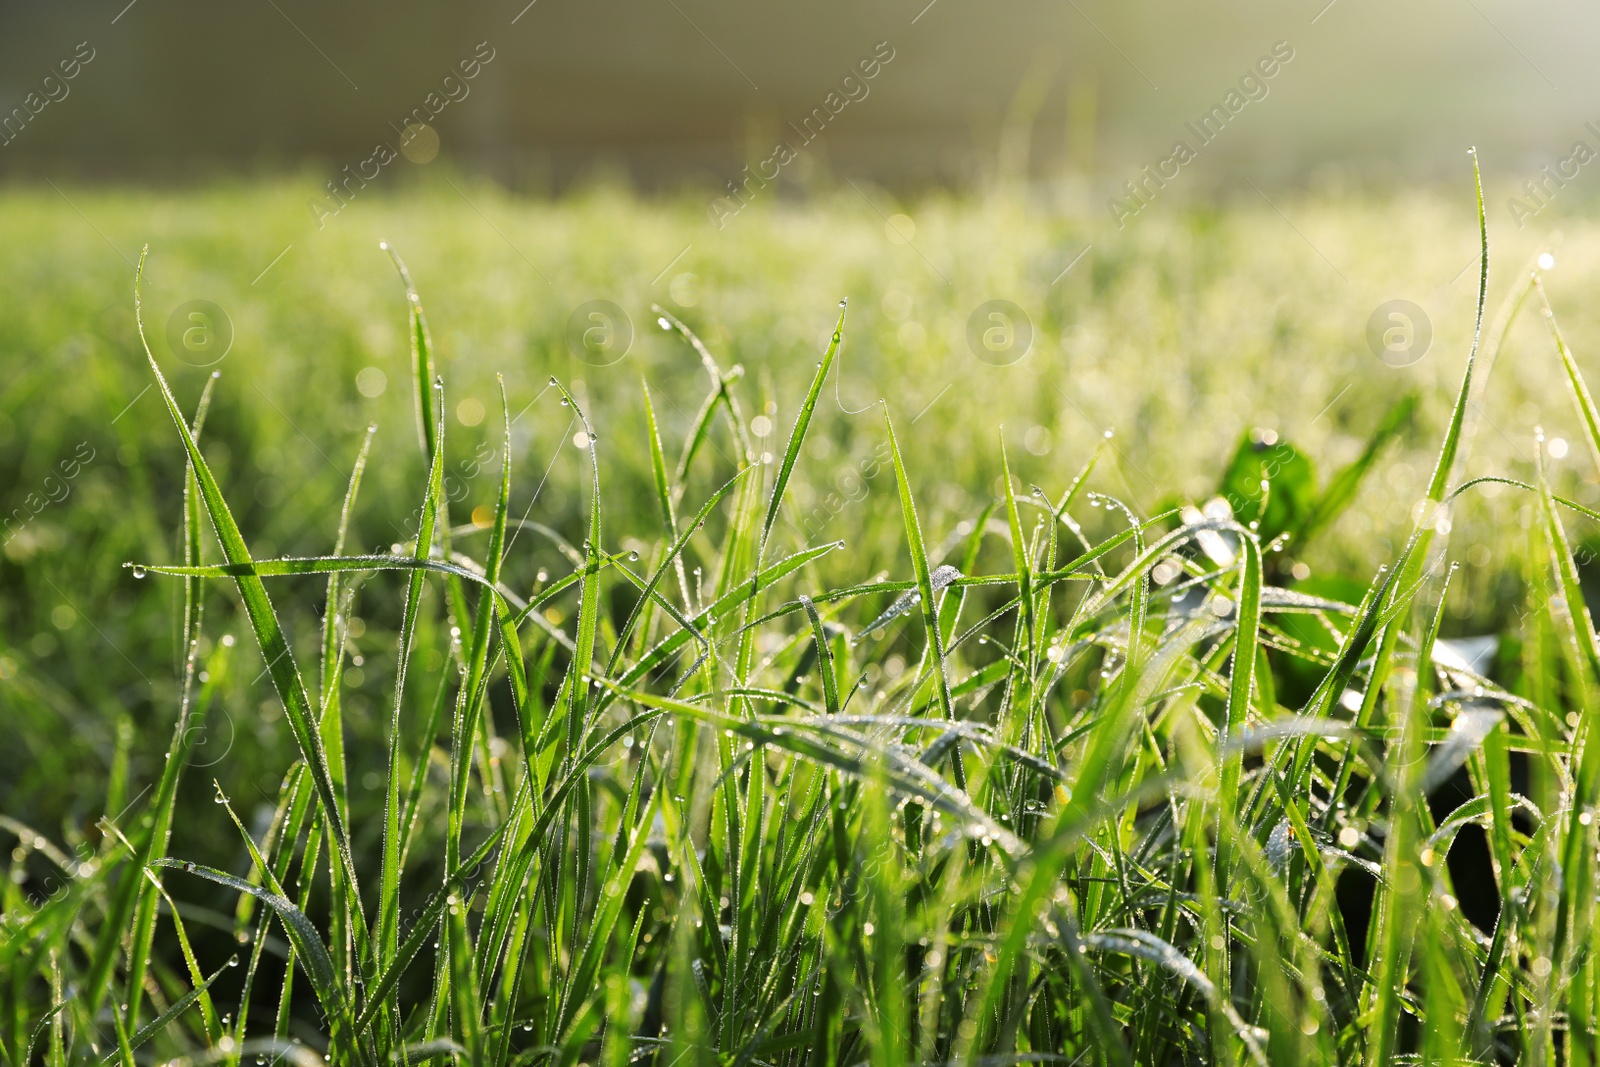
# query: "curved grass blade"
589,593
309,949
665,497
830,683
191,715
388,926
1581,398
428,428
177,1008
797,437
1146,946
263,619
1023,565
673,557
919,562
1247,636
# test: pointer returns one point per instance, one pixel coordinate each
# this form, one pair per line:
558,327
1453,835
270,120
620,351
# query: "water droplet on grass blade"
138,570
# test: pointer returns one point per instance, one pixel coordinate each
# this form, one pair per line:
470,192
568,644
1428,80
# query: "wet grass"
632,764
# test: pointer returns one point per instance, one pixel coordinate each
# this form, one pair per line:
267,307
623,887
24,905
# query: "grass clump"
1031,796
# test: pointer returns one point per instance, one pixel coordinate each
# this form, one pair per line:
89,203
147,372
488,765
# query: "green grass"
562,729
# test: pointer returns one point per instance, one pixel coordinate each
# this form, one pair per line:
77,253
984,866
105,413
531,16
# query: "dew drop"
633,556
844,302
233,961
138,571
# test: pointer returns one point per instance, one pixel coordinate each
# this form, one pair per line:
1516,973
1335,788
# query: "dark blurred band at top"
712,92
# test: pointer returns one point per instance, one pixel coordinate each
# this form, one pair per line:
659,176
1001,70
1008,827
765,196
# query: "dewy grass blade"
830,682
1581,399
720,396
1575,910
674,557
308,946
333,638
157,826
664,493
1397,584
425,926
278,568
1241,682
919,563
428,428
1399,895
177,1008
285,673
1019,559
1146,946
589,592
466,1004
465,731
388,934
797,437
